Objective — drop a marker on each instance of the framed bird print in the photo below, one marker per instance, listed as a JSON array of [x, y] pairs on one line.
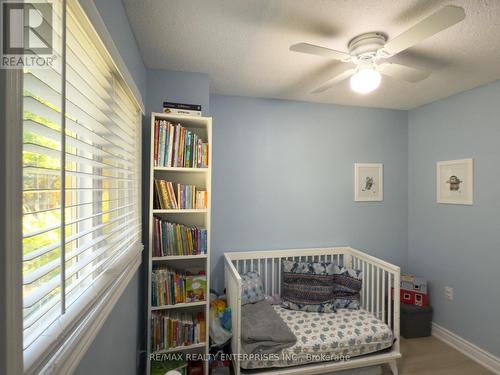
[[368, 182], [455, 181]]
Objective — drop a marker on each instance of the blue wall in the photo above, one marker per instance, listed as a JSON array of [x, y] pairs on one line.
[[454, 245], [180, 87], [115, 348], [283, 177]]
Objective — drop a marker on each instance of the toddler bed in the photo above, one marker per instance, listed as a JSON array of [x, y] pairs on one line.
[[326, 342]]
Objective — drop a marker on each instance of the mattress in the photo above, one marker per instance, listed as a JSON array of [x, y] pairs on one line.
[[325, 337]]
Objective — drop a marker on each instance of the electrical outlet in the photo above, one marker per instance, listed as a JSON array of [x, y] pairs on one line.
[[448, 293]]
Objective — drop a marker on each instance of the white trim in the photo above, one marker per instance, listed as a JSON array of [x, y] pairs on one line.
[[12, 278], [94, 17], [467, 348]]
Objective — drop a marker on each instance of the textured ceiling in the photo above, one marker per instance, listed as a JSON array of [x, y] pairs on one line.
[[243, 45]]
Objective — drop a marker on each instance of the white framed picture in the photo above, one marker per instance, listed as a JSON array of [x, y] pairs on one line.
[[368, 182], [455, 181]]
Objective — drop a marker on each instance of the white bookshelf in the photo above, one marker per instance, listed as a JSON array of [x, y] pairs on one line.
[[178, 306], [201, 177]]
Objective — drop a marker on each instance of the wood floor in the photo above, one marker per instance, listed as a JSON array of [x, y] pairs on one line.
[[430, 356]]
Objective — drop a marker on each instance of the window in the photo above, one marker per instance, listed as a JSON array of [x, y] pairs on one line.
[[81, 176]]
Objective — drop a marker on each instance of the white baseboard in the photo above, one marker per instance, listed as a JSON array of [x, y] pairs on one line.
[[372, 370], [467, 348]]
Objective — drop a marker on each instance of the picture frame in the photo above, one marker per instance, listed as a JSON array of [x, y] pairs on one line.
[[455, 181], [368, 182]]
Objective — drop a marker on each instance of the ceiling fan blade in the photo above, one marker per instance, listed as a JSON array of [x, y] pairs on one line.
[[312, 49], [441, 20], [337, 79], [406, 73]]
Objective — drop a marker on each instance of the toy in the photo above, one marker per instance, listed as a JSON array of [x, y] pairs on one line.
[[413, 291], [225, 319], [218, 305]]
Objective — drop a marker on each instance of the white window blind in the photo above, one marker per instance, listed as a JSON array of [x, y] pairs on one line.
[[81, 175]]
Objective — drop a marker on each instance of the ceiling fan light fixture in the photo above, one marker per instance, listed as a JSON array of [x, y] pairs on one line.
[[365, 80]]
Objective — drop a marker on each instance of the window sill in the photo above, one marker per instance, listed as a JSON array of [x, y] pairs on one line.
[[61, 349]]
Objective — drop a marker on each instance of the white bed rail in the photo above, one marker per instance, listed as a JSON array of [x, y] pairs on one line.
[[232, 282], [379, 279]]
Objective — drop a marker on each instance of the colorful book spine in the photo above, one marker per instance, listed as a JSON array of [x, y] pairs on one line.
[[156, 129], [201, 201], [174, 329], [177, 146], [164, 195], [172, 239], [185, 106]]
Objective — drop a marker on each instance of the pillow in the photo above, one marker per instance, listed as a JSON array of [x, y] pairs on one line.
[[307, 286], [251, 288], [347, 285]]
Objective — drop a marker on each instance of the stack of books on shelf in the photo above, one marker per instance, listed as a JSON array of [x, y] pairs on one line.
[[172, 239], [182, 109], [176, 146], [172, 329], [181, 197], [169, 287]]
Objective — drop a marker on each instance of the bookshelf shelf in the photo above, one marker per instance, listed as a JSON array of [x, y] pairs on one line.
[[181, 348], [186, 120], [181, 211], [179, 257], [195, 130], [178, 306], [182, 169]]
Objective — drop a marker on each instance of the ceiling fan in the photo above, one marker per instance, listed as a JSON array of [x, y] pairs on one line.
[[367, 51]]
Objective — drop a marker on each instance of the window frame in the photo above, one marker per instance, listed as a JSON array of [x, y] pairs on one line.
[[12, 217], [64, 347]]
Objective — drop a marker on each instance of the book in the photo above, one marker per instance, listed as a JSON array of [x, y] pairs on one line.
[[160, 143], [157, 126], [176, 111], [165, 199], [195, 288], [201, 201], [176, 146], [171, 194], [189, 107]]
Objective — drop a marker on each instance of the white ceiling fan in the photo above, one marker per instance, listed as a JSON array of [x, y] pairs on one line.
[[367, 51]]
